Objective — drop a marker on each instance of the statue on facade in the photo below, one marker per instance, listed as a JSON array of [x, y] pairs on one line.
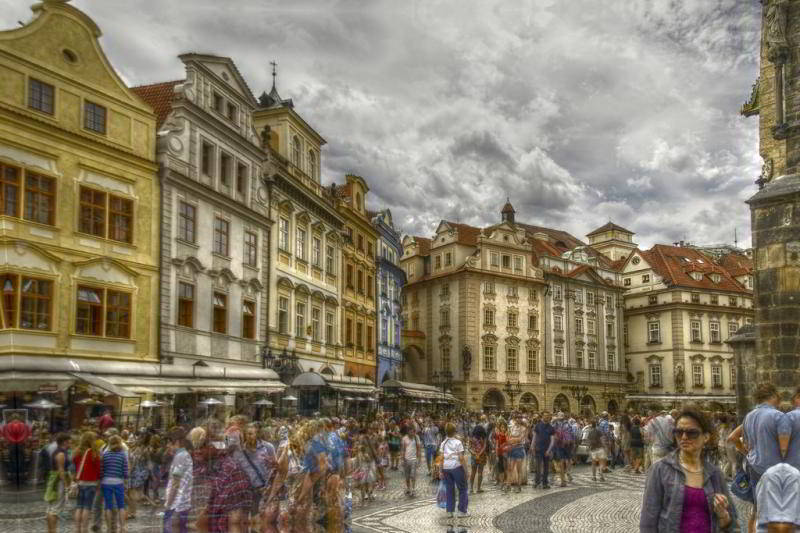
[[466, 359], [679, 378], [775, 28], [766, 173]]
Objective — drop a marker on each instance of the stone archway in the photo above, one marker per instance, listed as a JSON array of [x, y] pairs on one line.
[[613, 407], [493, 400], [588, 407], [529, 402], [414, 366], [561, 403]]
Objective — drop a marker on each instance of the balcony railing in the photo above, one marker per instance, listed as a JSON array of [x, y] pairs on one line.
[[560, 373]]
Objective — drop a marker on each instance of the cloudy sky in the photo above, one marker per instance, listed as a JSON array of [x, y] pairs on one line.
[[579, 111]]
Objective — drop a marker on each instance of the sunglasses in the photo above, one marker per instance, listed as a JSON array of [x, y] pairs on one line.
[[690, 433]]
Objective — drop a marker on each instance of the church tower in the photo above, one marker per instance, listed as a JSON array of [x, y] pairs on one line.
[[775, 208]]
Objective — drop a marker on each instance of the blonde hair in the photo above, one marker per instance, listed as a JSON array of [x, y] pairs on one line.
[[88, 441], [115, 443], [197, 437]]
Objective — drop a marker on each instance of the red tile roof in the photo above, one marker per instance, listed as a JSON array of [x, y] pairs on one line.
[[674, 264], [737, 264], [159, 96], [467, 235], [423, 244]]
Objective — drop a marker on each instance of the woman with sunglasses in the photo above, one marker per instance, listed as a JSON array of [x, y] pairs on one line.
[[685, 493]]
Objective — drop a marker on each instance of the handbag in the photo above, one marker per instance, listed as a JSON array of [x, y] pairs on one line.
[[741, 487], [72, 493], [441, 496]]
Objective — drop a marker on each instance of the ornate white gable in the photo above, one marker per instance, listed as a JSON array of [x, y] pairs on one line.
[[106, 270], [27, 256]]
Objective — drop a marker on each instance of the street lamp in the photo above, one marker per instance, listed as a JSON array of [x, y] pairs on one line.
[[443, 379], [512, 389], [578, 392]]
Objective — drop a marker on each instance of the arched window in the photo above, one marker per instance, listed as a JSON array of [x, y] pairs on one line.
[[296, 150], [312, 165]]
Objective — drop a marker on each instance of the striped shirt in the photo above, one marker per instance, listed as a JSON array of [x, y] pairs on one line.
[[115, 467]]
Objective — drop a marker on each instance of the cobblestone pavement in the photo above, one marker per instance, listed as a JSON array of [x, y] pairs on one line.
[[584, 506]]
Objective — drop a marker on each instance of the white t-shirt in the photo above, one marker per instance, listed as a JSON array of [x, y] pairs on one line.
[[451, 450], [411, 448]]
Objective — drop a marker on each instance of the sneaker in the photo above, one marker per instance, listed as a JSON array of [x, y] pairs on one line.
[[449, 515], [463, 515]]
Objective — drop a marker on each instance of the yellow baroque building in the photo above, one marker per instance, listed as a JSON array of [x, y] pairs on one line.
[[79, 208]]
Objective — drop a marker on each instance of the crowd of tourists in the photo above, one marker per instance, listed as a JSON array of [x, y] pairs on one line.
[[307, 474]]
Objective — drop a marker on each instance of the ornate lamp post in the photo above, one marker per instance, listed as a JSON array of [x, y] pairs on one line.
[[284, 364], [443, 379], [578, 392], [512, 389]]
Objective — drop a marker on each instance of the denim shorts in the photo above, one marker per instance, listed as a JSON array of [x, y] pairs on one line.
[[86, 494], [114, 492], [517, 453]]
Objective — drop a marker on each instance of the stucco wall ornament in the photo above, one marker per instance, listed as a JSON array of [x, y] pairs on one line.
[[766, 173]]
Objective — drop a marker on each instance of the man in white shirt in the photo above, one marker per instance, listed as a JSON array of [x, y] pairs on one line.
[[412, 455]]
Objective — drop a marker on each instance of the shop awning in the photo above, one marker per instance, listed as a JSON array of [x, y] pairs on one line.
[[104, 384], [418, 390], [352, 388], [186, 386], [46, 381]]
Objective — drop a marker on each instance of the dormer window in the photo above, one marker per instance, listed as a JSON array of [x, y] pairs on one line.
[[716, 277]]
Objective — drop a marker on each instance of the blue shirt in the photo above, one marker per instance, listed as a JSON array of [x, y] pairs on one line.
[[310, 461], [430, 436], [115, 467], [793, 420], [602, 425], [543, 432], [761, 428], [336, 450]]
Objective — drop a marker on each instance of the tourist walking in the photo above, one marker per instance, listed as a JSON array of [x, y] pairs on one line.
[[516, 452], [115, 473], [430, 438], [597, 452], [543, 442], [684, 491], [636, 442], [88, 463], [478, 451], [180, 481], [56, 492], [454, 471], [411, 450]]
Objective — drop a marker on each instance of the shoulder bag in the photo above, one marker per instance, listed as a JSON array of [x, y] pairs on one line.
[[72, 493]]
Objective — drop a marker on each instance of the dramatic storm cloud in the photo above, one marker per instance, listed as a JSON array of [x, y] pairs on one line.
[[579, 111]]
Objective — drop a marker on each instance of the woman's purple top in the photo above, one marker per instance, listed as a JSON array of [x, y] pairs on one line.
[[695, 517]]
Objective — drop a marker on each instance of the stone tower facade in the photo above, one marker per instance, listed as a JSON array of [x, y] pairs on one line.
[[775, 208]]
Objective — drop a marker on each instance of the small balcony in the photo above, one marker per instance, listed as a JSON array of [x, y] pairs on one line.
[[584, 375]]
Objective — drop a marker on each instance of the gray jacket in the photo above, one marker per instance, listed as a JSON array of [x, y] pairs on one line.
[[663, 497]]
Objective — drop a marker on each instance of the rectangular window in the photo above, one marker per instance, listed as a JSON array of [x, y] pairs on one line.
[[445, 290], [92, 212], [349, 276], [488, 357], [316, 249], [556, 292], [625, 334], [579, 358], [94, 117], [232, 112], [558, 323], [370, 250], [611, 361], [36, 297], [120, 219], [578, 296], [590, 327], [360, 243], [221, 236], [653, 332], [646, 278], [348, 331], [248, 319], [512, 319], [360, 335], [360, 281], [217, 102], [437, 262], [533, 361], [283, 315], [590, 298], [448, 259], [652, 299], [40, 198], [488, 287], [695, 298], [185, 305], [592, 360], [714, 299], [330, 262], [283, 234], [733, 376], [511, 360], [369, 339], [697, 335], [626, 282], [445, 352], [220, 313], [187, 222], [369, 286], [207, 159], [40, 96], [579, 326], [610, 330], [9, 190], [517, 263], [532, 324], [512, 291], [329, 328], [316, 314], [697, 375], [250, 248], [655, 375], [241, 178], [488, 317], [715, 331], [445, 317], [506, 261], [733, 301], [733, 327], [89, 312], [558, 356], [716, 376], [300, 245], [300, 320], [494, 259]]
